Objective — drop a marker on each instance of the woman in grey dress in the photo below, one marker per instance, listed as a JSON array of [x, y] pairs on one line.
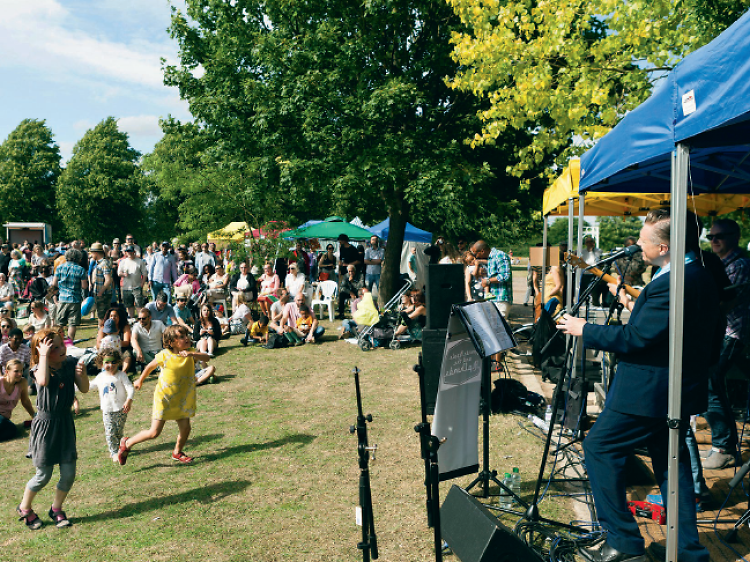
[[53, 434]]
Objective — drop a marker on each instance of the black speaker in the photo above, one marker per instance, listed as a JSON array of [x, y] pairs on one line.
[[445, 287], [433, 345], [475, 535]]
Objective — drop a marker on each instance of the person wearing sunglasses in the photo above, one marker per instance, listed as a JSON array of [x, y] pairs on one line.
[[147, 337], [725, 237]]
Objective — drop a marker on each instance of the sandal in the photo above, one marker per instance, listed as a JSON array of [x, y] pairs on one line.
[[122, 453], [32, 519], [59, 518], [182, 457]]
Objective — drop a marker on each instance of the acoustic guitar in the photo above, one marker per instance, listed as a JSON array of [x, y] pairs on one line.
[[576, 261]]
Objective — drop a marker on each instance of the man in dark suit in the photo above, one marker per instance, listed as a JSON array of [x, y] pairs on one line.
[[635, 413]]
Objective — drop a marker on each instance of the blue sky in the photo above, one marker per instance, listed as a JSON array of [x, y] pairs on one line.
[[76, 62]]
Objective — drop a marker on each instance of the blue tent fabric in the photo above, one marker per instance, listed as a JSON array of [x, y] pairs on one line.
[[412, 234], [636, 154]]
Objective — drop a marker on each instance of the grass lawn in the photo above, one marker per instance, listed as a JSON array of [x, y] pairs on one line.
[[275, 475]]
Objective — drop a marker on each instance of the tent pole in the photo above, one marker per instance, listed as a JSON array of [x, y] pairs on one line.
[[544, 256], [569, 270], [680, 163], [579, 245]]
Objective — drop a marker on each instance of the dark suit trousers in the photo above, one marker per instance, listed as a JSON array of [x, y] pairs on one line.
[[607, 447]]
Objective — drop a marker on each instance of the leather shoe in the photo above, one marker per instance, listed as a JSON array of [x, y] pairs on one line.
[[608, 554]]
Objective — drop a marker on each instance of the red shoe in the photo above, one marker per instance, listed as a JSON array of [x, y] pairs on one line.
[[182, 457], [122, 454]]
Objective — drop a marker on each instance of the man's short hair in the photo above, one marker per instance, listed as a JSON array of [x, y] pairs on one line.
[[72, 255], [162, 297], [15, 332], [661, 221], [728, 226]]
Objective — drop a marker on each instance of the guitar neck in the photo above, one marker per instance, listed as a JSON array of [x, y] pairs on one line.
[[609, 279]]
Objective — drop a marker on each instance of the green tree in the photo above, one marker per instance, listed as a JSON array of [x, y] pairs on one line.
[[29, 168], [558, 231], [341, 108], [100, 192], [570, 70], [614, 230]]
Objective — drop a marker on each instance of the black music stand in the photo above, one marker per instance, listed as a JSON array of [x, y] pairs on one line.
[[490, 334]]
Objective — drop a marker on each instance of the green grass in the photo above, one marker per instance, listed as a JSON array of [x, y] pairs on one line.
[[275, 476]]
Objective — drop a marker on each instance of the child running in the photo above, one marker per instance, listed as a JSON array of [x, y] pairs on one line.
[[174, 396], [53, 432], [115, 395]]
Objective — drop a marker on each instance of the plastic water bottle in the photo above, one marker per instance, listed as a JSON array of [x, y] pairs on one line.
[[548, 415], [515, 480], [539, 422], [506, 500]]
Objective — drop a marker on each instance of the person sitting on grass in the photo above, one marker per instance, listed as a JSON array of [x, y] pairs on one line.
[[258, 332], [13, 389], [183, 312], [161, 310], [39, 318], [174, 395], [28, 333], [276, 318], [16, 349], [292, 312], [303, 331], [207, 331], [240, 318], [413, 317]]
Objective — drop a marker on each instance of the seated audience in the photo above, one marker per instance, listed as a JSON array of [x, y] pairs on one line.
[[147, 337], [292, 313], [162, 311], [38, 318], [117, 334], [183, 312], [269, 286], [218, 284], [243, 283], [13, 389], [241, 316], [295, 281], [258, 332], [207, 331], [277, 312], [413, 318]]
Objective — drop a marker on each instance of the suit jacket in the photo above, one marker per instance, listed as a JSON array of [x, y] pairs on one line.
[[641, 385]]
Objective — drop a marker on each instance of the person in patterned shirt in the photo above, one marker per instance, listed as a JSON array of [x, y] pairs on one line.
[[70, 279], [724, 237], [499, 281], [101, 282]]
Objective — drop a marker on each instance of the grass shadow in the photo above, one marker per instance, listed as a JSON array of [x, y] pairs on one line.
[[204, 494], [168, 445]]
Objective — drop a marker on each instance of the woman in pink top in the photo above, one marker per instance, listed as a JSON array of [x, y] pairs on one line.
[[269, 285], [13, 387]]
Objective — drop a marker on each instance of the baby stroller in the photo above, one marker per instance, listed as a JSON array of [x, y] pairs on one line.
[[383, 329]]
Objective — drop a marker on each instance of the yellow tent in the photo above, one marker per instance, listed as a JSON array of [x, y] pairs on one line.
[[601, 204], [233, 232]]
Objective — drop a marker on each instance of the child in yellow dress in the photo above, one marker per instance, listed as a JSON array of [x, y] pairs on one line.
[[174, 396]]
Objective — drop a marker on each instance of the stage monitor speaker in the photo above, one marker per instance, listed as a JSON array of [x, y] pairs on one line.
[[433, 345], [445, 287], [475, 535]]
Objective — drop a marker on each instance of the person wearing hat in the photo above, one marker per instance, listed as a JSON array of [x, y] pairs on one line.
[[133, 272], [101, 281], [162, 272]]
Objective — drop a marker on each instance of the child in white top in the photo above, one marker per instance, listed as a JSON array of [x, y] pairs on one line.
[[39, 318], [116, 396]]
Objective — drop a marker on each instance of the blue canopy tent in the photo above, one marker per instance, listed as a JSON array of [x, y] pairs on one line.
[[412, 233], [690, 136]]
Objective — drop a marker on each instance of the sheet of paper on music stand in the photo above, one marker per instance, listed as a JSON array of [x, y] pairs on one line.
[[489, 330], [536, 254]]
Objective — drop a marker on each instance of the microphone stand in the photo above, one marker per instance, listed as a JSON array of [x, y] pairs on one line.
[[369, 544], [532, 514], [429, 445]]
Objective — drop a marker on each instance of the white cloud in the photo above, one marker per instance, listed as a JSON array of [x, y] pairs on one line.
[[83, 125], [42, 36], [140, 125]]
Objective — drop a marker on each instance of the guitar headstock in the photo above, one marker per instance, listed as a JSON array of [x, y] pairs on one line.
[[575, 260]]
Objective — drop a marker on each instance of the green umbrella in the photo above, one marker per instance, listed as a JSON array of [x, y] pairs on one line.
[[330, 229]]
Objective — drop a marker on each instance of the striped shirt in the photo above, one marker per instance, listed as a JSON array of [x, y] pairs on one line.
[[23, 354]]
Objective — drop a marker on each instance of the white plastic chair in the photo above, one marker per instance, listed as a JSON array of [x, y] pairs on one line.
[[327, 292]]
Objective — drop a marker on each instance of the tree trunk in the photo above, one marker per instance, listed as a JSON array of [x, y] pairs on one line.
[[391, 272]]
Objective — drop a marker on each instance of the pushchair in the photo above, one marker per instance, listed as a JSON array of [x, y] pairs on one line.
[[383, 329]]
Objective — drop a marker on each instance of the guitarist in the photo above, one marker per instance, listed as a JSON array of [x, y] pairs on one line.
[[592, 255]]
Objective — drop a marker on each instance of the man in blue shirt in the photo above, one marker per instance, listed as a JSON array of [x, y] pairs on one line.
[[71, 280], [162, 272]]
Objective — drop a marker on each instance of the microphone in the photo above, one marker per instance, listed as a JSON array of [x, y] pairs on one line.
[[626, 253]]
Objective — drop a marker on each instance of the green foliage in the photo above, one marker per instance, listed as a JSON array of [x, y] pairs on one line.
[[558, 231], [318, 108], [614, 230], [29, 168], [569, 70], [100, 192]]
